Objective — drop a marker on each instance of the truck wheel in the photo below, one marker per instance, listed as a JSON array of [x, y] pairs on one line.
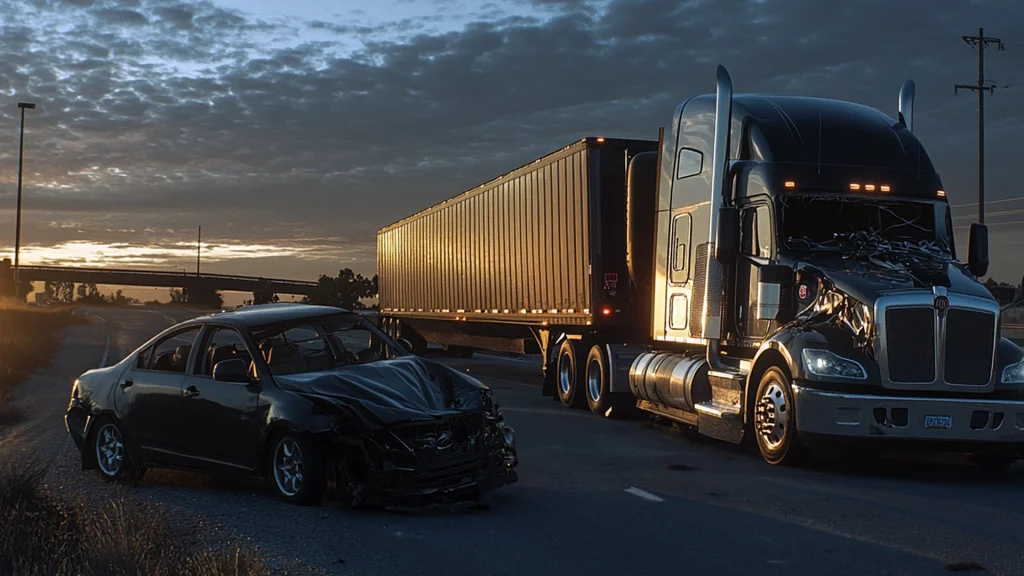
[[774, 420], [567, 378], [597, 381]]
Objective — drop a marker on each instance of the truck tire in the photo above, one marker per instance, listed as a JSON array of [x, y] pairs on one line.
[[774, 421], [568, 380], [596, 376]]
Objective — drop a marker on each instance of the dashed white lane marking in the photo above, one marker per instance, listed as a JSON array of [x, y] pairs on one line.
[[106, 351], [106, 342], [639, 493]]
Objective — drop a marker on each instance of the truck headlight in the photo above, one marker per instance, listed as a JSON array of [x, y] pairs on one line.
[[826, 364], [1014, 373]]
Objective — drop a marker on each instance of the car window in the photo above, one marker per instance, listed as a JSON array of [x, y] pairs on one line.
[[142, 363], [296, 350], [356, 344], [171, 354], [222, 344]]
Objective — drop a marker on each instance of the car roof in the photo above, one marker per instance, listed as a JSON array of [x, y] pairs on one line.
[[264, 314]]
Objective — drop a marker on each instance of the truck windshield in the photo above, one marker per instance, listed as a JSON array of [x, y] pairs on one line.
[[820, 222]]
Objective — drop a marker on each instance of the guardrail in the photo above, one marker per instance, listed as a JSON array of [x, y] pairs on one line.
[[1013, 326]]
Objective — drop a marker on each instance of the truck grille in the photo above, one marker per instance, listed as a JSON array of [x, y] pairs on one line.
[[969, 342], [911, 346], [910, 339]]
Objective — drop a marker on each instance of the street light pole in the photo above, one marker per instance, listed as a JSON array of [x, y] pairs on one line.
[[17, 225]]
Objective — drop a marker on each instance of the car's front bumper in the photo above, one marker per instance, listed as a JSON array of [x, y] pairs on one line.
[[969, 421], [77, 421]]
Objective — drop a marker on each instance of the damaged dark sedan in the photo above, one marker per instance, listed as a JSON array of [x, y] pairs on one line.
[[305, 396]]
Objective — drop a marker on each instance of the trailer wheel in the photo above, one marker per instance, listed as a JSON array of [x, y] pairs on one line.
[[567, 377], [775, 420]]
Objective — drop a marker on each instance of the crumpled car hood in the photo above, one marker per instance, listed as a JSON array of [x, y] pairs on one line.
[[392, 391]]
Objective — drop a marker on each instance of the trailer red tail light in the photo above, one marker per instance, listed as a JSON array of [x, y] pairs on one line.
[[606, 311], [854, 186]]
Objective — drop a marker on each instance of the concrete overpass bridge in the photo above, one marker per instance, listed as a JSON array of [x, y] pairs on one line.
[[155, 278]]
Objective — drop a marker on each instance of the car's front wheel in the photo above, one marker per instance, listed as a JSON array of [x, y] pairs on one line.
[[296, 469], [113, 463]]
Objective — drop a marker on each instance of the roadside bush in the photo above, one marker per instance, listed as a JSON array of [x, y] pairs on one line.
[[28, 339], [43, 532]]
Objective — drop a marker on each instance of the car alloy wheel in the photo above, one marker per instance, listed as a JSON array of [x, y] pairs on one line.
[[288, 467], [110, 450]]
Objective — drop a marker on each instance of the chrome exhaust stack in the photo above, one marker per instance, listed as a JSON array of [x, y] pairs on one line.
[[906, 111], [714, 279]]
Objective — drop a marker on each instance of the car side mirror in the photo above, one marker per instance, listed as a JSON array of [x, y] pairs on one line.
[[977, 250], [727, 242], [405, 344], [232, 370]]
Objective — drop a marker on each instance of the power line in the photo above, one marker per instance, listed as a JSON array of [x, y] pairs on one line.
[[972, 204], [993, 224], [980, 42], [999, 213]]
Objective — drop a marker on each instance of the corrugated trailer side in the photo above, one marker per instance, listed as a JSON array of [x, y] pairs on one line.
[[514, 250]]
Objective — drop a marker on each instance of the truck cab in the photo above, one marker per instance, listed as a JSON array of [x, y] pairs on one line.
[[806, 286]]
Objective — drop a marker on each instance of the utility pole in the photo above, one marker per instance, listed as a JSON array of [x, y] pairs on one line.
[[199, 250], [17, 226], [980, 42]]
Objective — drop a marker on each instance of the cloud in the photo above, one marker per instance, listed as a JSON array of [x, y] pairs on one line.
[[170, 114]]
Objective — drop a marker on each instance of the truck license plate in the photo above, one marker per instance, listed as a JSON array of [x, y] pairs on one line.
[[938, 422]]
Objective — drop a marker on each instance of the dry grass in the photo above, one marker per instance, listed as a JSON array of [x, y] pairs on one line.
[[28, 339], [45, 533]]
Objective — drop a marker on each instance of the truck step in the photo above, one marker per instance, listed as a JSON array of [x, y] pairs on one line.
[[688, 418], [720, 411], [727, 380]]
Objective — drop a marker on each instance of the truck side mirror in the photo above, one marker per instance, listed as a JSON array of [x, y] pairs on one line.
[[977, 250], [770, 282], [727, 243]]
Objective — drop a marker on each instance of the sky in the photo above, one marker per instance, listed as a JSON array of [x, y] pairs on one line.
[[292, 130]]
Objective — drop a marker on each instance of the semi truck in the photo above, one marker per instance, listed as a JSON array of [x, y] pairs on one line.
[[779, 271]]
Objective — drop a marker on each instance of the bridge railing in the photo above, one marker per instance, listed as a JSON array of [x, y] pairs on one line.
[[163, 273]]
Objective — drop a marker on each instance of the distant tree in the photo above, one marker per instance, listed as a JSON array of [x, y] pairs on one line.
[[90, 294], [119, 299], [59, 292], [7, 287], [264, 293], [344, 290], [202, 296]]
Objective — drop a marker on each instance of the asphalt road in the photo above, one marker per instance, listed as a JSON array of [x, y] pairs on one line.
[[596, 496]]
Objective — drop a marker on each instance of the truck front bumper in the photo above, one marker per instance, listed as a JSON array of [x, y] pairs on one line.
[[967, 421]]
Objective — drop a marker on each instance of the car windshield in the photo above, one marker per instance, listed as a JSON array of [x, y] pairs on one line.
[[318, 345], [819, 222]]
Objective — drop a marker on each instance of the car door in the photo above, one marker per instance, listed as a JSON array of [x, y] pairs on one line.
[[223, 418], [148, 395]]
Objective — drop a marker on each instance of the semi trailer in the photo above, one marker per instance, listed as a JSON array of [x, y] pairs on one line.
[[776, 270]]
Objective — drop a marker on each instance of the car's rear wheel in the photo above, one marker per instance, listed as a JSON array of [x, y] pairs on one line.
[[113, 463], [296, 469]]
